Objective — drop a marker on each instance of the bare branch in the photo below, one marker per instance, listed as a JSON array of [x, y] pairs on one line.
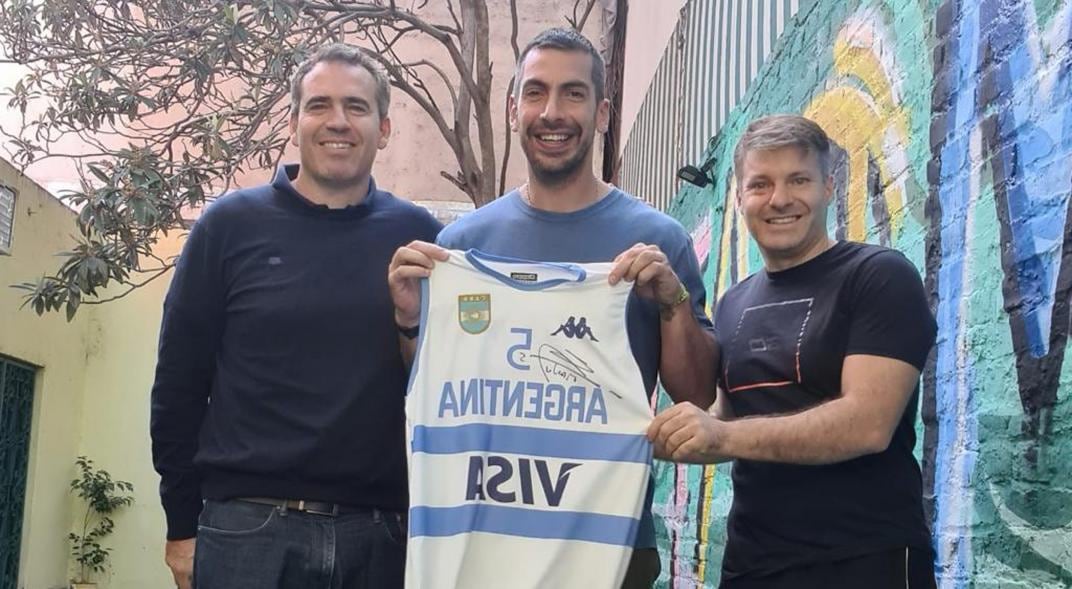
[[578, 24], [508, 135], [132, 286]]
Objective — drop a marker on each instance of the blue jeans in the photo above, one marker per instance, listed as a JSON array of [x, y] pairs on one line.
[[244, 545]]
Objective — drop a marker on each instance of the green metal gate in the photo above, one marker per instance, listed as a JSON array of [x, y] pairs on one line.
[[16, 412]]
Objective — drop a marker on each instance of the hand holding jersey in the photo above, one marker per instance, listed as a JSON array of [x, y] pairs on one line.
[[649, 268], [408, 266], [686, 433]]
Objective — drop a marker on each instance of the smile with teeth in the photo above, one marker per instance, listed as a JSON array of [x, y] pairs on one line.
[[553, 137], [783, 220], [337, 144]]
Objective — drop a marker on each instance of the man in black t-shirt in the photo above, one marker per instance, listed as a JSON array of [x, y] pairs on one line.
[[821, 352]]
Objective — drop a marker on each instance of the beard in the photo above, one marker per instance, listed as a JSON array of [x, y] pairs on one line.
[[557, 172]]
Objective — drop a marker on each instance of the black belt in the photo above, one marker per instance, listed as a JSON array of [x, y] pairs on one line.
[[313, 507]]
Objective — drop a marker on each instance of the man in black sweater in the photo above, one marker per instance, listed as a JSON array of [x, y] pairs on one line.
[[277, 409], [821, 352]]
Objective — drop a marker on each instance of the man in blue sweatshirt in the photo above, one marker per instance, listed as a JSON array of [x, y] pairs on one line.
[[277, 409], [564, 213]]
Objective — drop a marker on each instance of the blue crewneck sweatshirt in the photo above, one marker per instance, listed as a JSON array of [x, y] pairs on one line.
[[279, 372]]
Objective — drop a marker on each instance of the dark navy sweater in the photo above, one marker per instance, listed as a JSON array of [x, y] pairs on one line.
[[279, 372]]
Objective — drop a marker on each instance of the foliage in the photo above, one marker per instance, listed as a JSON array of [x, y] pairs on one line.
[[175, 98], [103, 497]]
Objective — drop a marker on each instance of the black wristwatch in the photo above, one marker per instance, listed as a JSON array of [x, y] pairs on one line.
[[409, 332]]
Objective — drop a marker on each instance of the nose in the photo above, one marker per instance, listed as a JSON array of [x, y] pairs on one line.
[[551, 111], [337, 121], [780, 197]]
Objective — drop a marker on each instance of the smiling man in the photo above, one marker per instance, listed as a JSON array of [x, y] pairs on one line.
[[277, 410], [820, 356], [564, 213]]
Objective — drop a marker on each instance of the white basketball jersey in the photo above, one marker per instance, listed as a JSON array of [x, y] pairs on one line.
[[526, 415]]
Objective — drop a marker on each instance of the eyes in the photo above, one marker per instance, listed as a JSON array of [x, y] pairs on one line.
[[762, 184], [578, 94], [321, 106]]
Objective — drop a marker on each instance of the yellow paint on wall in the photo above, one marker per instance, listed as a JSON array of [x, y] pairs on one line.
[[742, 245], [709, 471], [865, 123], [728, 213]]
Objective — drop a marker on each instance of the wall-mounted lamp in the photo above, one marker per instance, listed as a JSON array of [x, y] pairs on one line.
[[697, 176]]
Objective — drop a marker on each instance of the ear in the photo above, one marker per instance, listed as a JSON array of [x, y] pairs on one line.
[[511, 107], [603, 116], [385, 131], [294, 128], [829, 189]]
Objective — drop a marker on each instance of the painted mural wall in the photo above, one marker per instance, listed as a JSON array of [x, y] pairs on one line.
[[953, 120]]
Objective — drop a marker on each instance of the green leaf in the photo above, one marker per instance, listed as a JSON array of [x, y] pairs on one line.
[[73, 300], [99, 174]]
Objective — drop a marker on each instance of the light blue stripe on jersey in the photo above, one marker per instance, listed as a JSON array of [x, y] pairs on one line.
[[531, 441], [518, 521]]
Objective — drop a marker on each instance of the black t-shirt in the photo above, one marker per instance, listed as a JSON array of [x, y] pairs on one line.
[[784, 337]]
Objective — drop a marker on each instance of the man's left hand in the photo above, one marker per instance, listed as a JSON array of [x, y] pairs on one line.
[[686, 433], [650, 271]]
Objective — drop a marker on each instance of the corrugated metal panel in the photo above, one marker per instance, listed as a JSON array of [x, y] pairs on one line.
[[711, 58]]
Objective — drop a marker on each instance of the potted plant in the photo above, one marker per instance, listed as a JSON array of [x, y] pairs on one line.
[[103, 496]]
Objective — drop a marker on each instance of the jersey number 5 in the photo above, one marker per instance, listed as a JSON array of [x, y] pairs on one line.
[[517, 354]]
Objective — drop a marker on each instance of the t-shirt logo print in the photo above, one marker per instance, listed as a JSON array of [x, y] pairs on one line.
[[574, 328], [767, 346], [474, 312]]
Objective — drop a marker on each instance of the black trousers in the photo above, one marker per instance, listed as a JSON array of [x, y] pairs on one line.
[[902, 568]]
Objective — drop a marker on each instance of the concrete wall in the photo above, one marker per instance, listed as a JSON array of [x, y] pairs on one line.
[[42, 226], [91, 398], [955, 120], [648, 28], [119, 368]]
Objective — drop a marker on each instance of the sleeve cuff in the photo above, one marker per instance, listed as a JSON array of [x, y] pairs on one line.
[[182, 519]]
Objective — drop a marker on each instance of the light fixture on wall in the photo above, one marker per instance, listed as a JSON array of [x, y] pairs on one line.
[[697, 176]]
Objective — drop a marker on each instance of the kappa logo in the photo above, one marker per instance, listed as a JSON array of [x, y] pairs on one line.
[[474, 312], [576, 329]]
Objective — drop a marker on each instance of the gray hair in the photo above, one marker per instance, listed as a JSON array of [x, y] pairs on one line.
[[781, 131], [565, 39], [350, 55]]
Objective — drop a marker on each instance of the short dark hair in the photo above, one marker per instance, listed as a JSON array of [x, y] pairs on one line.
[[347, 54], [780, 131], [565, 39]]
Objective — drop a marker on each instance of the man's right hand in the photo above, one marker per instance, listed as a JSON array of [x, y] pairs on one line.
[[409, 264], [179, 556]]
